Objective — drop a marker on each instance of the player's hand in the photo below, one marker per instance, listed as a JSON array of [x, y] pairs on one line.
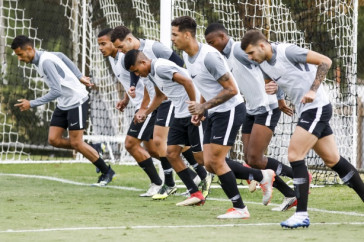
[[85, 80], [284, 108], [23, 104], [121, 105], [271, 87], [140, 116], [131, 92], [196, 119], [308, 97], [195, 108]]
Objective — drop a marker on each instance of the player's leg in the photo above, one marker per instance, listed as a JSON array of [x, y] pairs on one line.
[[164, 118], [301, 142], [326, 148], [58, 126], [177, 138], [137, 133]]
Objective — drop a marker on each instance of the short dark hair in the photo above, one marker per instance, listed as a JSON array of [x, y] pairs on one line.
[[130, 58], [252, 37], [21, 41], [185, 23], [104, 32], [120, 33], [214, 27]]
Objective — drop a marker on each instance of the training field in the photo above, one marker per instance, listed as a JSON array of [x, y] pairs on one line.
[[55, 202]]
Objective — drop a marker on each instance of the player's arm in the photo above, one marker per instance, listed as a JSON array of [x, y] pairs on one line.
[[156, 102], [122, 104], [53, 81], [187, 84], [83, 79], [323, 66]]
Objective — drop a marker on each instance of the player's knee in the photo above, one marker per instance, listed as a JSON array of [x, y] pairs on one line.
[[53, 141], [129, 145], [76, 144], [209, 168], [172, 154], [293, 156], [153, 153], [157, 141]]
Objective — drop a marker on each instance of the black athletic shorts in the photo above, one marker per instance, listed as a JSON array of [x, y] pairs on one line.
[[269, 119], [143, 131], [222, 128], [316, 121], [73, 119], [165, 113], [182, 132]]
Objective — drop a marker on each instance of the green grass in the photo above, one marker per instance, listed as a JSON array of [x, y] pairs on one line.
[[30, 204]]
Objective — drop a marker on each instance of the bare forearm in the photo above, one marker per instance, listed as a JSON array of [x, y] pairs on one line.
[[222, 97], [321, 73]]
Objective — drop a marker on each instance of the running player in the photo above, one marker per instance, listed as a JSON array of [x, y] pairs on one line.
[[124, 40], [173, 81], [262, 110], [226, 111], [137, 133], [67, 85], [299, 72]]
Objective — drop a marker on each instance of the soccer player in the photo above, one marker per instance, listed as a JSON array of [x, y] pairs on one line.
[[125, 41], [173, 81], [299, 72], [67, 85], [138, 133], [226, 111], [262, 110]]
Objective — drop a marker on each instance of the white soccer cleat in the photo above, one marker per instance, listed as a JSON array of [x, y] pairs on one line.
[[153, 189], [267, 185], [296, 220], [288, 202], [231, 213]]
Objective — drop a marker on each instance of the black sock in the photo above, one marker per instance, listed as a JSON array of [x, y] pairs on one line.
[[228, 184], [200, 170], [350, 176], [192, 173], [168, 172], [279, 168], [242, 172], [283, 187], [187, 180], [149, 168], [103, 167], [301, 184]]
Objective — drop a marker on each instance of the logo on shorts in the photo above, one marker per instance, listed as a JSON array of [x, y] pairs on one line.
[[133, 130], [73, 124], [304, 121], [193, 146], [217, 137], [160, 119]]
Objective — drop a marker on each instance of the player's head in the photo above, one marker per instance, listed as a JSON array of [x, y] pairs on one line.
[[217, 36], [123, 39], [23, 48], [256, 45], [135, 61], [183, 31], [104, 41]]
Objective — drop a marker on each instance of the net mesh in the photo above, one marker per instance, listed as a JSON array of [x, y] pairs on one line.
[[326, 26]]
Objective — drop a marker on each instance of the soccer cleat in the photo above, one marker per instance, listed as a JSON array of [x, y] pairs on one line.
[[252, 185], [267, 185], [241, 213], [206, 184], [195, 199], [164, 192], [296, 221], [153, 189], [197, 181], [105, 179], [287, 203]]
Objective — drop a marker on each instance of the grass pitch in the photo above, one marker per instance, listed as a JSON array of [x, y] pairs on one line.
[[55, 202]]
